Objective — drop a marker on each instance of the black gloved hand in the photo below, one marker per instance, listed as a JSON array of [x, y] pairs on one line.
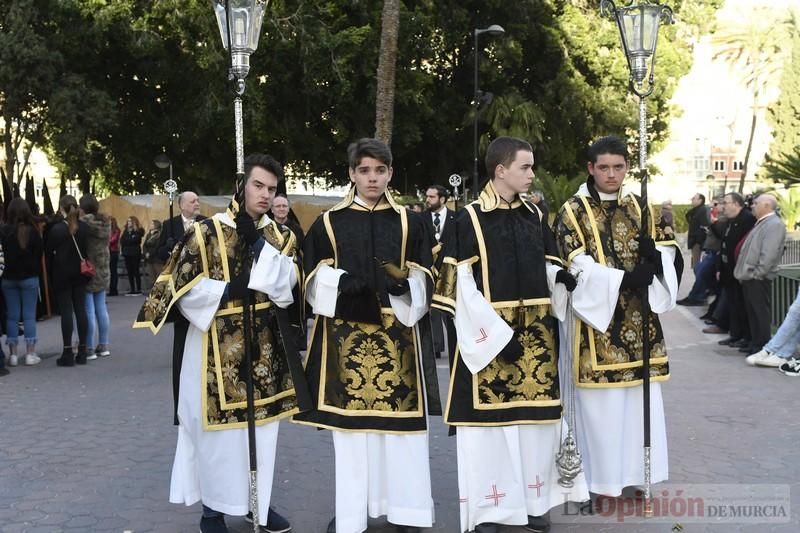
[[397, 287], [647, 248], [641, 276], [246, 228], [350, 284], [237, 287], [513, 351], [566, 279]]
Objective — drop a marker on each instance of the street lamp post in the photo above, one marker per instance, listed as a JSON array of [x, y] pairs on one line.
[[638, 26], [239, 24], [162, 161], [494, 29]]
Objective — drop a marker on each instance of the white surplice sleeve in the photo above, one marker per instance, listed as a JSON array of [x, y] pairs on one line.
[[200, 304], [274, 275], [322, 290], [595, 297], [558, 292], [481, 333], [413, 305], [663, 292]]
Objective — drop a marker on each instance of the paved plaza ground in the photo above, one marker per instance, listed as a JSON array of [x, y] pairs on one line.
[[90, 448]]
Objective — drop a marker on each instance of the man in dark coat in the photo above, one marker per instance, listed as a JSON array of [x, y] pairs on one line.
[[174, 228], [698, 220]]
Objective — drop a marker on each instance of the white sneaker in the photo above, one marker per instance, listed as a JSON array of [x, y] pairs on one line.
[[32, 359], [92, 356], [765, 358], [13, 360]]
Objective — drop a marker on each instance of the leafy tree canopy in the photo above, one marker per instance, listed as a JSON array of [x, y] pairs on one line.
[[123, 80]]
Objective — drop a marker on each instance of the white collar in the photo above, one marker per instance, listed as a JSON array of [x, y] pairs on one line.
[[765, 216], [225, 218], [440, 211]]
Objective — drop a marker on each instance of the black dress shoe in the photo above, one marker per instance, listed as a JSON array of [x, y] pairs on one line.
[[486, 528], [331, 526], [707, 316], [709, 322], [538, 524], [213, 525], [407, 529], [728, 342], [748, 350], [742, 343]]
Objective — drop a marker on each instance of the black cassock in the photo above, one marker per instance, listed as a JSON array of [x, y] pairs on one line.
[[506, 246], [366, 370]]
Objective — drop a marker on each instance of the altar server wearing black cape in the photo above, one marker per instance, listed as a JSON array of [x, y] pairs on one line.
[[370, 358], [505, 285], [205, 280]]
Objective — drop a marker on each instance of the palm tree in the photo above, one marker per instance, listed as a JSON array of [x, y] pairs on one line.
[[786, 169], [387, 61], [757, 50]]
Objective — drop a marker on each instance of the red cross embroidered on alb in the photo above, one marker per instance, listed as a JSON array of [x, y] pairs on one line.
[[538, 486], [495, 495], [483, 337]]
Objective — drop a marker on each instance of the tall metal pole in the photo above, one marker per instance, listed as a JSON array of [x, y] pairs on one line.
[[476, 105], [639, 47], [644, 231]]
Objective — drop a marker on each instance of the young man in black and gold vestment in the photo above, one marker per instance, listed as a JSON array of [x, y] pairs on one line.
[[598, 234], [205, 281], [503, 282], [369, 284]]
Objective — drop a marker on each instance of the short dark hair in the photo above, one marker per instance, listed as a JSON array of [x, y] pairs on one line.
[[88, 204], [610, 144], [503, 151], [440, 190], [267, 162], [737, 198], [367, 147], [702, 197]]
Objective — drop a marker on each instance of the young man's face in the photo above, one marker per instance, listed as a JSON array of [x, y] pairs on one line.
[[518, 176], [371, 178], [696, 200], [280, 208], [259, 191], [609, 172], [433, 200]]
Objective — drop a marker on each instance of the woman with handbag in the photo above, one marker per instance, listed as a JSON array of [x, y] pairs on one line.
[[131, 245], [99, 230], [70, 271], [22, 246]]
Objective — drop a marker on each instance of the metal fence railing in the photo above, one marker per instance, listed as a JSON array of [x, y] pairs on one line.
[[784, 292], [791, 253]]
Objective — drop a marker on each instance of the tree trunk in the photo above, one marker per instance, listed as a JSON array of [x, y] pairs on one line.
[[387, 65], [10, 150], [749, 143]]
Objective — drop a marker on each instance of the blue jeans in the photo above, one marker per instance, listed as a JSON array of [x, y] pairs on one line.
[[96, 308], [785, 341], [705, 280], [21, 296]]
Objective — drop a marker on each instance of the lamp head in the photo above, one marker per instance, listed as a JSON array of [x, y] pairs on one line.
[[239, 23], [162, 160], [638, 27], [493, 30]]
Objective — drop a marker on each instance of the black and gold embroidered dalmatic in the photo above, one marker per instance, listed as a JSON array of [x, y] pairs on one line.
[[506, 246], [212, 250], [607, 231], [363, 376]]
